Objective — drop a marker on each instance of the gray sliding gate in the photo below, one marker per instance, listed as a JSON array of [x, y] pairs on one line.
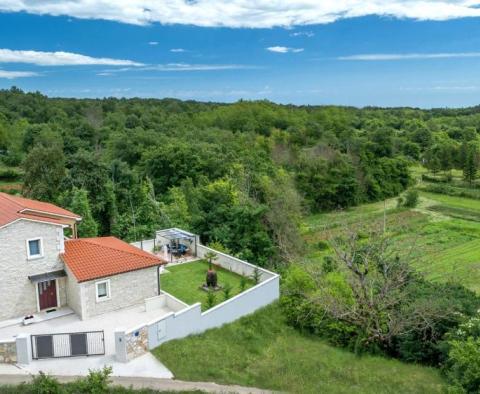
[[73, 344]]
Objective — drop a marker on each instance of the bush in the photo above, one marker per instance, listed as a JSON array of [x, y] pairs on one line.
[[329, 264], [411, 199], [12, 159], [322, 245], [453, 302], [463, 365], [210, 299], [301, 313], [96, 382], [45, 384], [256, 276], [227, 289]]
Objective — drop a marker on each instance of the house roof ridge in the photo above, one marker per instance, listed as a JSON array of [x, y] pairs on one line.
[[99, 257], [140, 252]]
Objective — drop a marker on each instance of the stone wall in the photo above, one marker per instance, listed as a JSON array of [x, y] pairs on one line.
[[16, 267], [136, 342], [8, 352], [74, 296], [126, 290]]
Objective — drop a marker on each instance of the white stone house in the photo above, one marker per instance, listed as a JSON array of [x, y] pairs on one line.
[[42, 270]]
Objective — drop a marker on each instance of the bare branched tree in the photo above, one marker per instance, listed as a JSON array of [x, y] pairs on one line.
[[381, 304]]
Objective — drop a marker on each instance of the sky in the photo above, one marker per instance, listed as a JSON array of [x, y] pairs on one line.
[[419, 53]]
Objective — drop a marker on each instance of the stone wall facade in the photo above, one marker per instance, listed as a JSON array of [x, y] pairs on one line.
[[74, 296], [8, 352], [126, 290], [18, 293], [137, 343]]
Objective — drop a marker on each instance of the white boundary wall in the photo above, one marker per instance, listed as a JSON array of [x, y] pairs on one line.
[[190, 320], [147, 245]]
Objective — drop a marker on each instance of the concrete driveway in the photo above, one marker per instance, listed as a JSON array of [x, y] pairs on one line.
[[144, 366]]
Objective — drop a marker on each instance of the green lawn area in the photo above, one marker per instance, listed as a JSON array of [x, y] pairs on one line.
[[184, 280], [260, 350]]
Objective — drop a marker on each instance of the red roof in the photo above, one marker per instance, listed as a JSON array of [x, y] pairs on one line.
[[94, 258], [13, 208]]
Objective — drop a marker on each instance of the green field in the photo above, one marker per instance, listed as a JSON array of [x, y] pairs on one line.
[[441, 235], [260, 350], [184, 280]]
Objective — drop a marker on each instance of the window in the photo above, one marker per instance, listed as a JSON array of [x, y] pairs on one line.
[[34, 248], [103, 290]]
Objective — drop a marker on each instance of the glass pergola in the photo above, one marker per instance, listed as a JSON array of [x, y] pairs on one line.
[[178, 242]]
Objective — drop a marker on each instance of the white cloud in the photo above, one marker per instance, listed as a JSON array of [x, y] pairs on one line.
[[280, 49], [59, 59], [408, 56], [184, 67], [308, 34], [153, 43], [244, 13], [177, 50], [17, 74]]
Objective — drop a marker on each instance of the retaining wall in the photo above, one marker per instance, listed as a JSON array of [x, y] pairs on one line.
[[187, 320]]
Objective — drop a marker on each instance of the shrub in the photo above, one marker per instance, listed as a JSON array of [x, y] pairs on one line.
[[45, 384], [211, 298], [12, 159], [463, 364], [243, 283], [256, 276], [227, 289], [329, 264], [322, 245], [452, 302], [411, 199], [96, 382]]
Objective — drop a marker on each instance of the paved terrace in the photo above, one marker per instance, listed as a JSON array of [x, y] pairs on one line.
[[145, 366]]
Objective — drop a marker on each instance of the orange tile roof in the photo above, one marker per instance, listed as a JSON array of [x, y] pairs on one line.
[[94, 258], [13, 208]]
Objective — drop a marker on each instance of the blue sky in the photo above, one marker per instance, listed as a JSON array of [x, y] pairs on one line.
[[385, 60]]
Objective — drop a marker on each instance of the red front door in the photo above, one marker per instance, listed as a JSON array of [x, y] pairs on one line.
[[47, 294]]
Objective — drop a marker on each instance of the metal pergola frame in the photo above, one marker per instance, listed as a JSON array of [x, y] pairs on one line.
[[174, 235]]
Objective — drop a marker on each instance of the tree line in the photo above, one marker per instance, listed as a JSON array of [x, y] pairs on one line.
[[242, 174]]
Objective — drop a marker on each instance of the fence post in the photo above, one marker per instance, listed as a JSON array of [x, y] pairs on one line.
[[23, 349], [120, 346]]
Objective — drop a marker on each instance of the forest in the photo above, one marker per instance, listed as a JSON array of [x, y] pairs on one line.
[[292, 188], [241, 174]]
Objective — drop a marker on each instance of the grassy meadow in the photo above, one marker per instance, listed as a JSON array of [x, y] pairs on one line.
[[441, 235], [260, 350]]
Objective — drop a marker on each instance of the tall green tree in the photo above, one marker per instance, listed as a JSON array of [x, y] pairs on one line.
[[470, 164], [88, 227], [44, 173]]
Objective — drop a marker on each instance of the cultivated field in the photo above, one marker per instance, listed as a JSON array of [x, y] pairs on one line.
[[441, 235]]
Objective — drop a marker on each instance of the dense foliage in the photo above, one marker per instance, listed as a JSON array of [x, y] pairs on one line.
[[368, 299], [239, 173]]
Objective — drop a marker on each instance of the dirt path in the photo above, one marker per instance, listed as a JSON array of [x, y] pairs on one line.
[[152, 383]]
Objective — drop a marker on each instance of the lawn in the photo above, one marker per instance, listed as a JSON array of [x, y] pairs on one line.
[[184, 280], [260, 350]]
